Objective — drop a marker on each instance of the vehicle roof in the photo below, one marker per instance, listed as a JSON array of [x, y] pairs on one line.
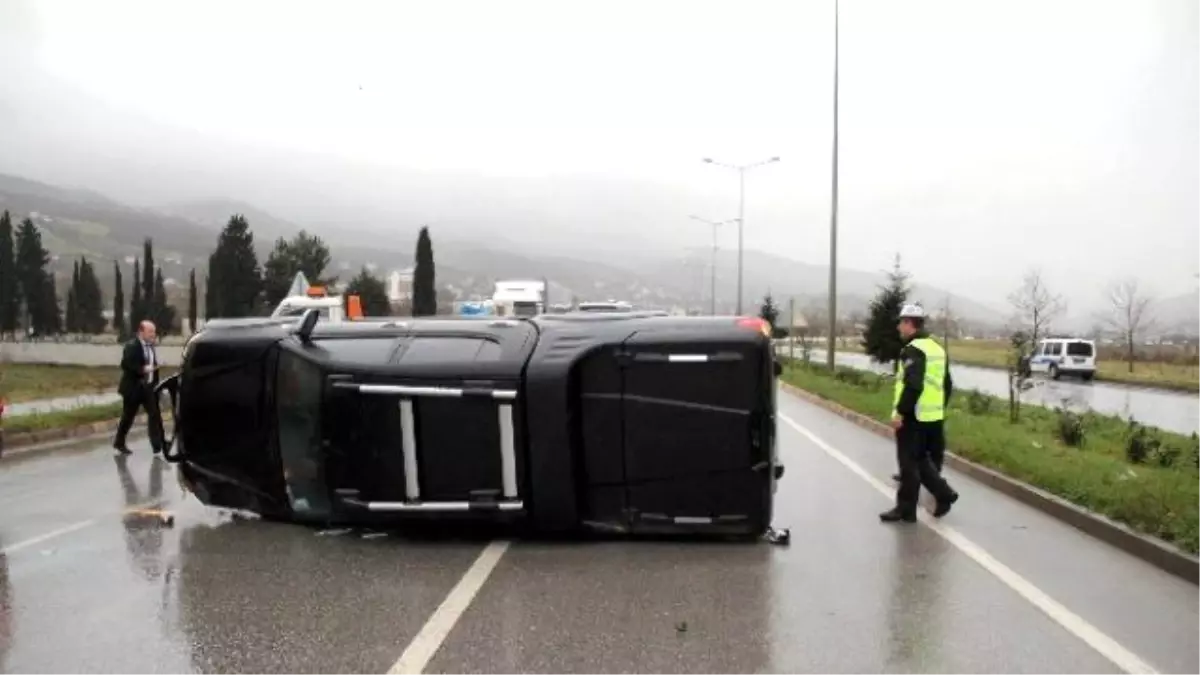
[[599, 322]]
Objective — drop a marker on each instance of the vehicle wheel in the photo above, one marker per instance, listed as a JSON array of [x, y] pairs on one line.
[[1053, 372], [1087, 377]]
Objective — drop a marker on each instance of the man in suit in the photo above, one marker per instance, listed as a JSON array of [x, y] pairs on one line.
[[139, 376]]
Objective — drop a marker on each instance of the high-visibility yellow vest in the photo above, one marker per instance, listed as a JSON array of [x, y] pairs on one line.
[[931, 406]]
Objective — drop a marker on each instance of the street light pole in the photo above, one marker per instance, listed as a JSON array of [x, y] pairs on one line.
[[713, 270], [741, 169], [833, 211]]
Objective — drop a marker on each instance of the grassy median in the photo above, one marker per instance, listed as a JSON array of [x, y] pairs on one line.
[[1145, 478], [21, 382], [60, 419], [1170, 368], [32, 381]]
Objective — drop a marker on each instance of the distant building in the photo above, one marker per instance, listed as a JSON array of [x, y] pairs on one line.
[[399, 286]]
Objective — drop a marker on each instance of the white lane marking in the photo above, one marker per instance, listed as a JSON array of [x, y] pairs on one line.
[[47, 536], [1072, 622], [422, 648], [73, 527]]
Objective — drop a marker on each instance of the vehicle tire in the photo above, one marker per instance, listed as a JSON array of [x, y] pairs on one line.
[[1053, 372], [1087, 377]]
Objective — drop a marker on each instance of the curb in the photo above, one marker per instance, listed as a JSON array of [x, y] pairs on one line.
[[1154, 551]]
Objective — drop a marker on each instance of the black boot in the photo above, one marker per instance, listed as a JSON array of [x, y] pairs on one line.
[[943, 505], [896, 515]]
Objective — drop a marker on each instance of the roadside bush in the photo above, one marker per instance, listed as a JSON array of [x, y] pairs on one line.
[[1140, 444], [978, 403], [1070, 429], [1167, 456], [850, 376]]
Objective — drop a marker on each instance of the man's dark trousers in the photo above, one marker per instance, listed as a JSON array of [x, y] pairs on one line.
[[916, 443]]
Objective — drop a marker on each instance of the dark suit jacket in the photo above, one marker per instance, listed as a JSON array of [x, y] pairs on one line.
[[133, 377]]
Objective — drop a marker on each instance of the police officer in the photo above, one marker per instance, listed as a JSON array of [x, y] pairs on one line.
[[918, 414]]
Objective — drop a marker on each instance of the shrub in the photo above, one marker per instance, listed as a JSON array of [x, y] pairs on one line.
[[1167, 456], [1140, 444], [850, 376], [978, 403], [1070, 428]]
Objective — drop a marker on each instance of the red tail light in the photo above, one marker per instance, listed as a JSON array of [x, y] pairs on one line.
[[755, 323]]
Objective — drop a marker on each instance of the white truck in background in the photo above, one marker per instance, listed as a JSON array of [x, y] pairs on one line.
[[519, 298]]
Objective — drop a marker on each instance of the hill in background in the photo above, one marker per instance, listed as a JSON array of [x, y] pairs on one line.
[[79, 221]]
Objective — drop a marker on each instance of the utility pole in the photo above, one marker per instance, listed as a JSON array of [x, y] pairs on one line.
[[946, 325], [713, 270], [791, 328], [741, 219], [833, 211]]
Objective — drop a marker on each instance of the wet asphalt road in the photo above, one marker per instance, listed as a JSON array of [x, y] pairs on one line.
[[85, 585]]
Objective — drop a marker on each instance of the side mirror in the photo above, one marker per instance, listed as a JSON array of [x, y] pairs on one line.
[[307, 324]]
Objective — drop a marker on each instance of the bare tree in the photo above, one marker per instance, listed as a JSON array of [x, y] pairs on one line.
[[1037, 308], [1129, 315]]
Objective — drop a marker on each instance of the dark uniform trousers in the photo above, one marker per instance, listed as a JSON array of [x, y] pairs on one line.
[[920, 451]]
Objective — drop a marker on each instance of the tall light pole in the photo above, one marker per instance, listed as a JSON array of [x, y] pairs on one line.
[[741, 169], [830, 354], [715, 225]]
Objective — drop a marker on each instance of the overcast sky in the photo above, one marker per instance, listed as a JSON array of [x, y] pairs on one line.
[[977, 137]]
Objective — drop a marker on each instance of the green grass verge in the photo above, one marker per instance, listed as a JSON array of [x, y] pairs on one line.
[[994, 354], [1149, 497], [60, 419], [32, 381]]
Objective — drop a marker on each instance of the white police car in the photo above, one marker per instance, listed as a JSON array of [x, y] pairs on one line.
[[1064, 356]]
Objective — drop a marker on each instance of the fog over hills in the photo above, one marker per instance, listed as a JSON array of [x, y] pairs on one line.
[[80, 221], [590, 182]]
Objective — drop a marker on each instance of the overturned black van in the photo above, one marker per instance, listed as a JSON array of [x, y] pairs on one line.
[[626, 422]]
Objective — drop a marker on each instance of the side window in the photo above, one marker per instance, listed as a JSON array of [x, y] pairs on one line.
[[298, 402], [1056, 349]]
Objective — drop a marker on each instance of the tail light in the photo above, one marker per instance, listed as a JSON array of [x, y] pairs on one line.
[[755, 323]]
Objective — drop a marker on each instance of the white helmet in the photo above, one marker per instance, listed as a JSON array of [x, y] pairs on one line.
[[912, 311]]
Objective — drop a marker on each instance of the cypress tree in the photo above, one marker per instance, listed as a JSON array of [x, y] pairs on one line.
[[73, 301], [424, 301], [51, 314], [164, 317], [192, 300], [89, 302], [149, 308], [9, 298], [136, 311], [32, 267], [118, 324], [235, 278]]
